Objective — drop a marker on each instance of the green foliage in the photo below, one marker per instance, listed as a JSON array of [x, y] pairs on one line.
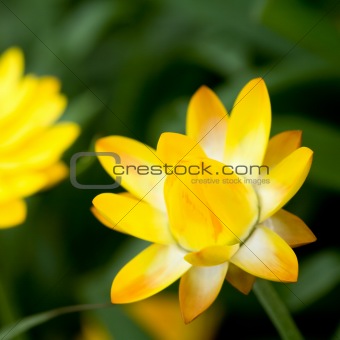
[[130, 68]]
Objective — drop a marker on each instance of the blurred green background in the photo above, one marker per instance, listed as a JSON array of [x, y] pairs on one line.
[[130, 68]]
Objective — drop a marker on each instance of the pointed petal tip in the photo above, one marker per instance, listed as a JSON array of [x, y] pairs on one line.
[[202, 91], [203, 88], [268, 256], [188, 319]]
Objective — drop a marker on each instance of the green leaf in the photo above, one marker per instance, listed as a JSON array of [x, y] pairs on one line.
[[84, 26], [117, 321], [319, 274], [29, 322], [304, 26]]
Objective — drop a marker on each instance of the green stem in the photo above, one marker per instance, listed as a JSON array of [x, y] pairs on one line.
[[29, 322], [276, 310]]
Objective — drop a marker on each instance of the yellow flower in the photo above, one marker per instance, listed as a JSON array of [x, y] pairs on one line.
[[219, 216], [31, 144]]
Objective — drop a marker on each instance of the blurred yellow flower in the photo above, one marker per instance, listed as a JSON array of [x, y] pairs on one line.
[[159, 316], [31, 143], [219, 215]]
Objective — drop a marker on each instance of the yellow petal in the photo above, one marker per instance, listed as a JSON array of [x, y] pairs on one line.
[[204, 210], [101, 218], [267, 255], [12, 213], [134, 217], [40, 109], [21, 185], [232, 200], [140, 169], [17, 99], [173, 147], [192, 222], [148, 273], [290, 228], [54, 174], [280, 146], [44, 150], [249, 126], [240, 279], [285, 179], [207, 122], [11, 69], [160, 316], [211, 256], [199, 288]]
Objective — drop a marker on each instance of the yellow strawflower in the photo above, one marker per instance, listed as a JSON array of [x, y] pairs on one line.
[[219, 215]]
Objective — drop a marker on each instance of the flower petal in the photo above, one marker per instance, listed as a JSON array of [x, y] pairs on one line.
[[54, 174], [148, 273], [240, 279], [44, 150], [140, 169], [282, 145], [42, 106], [18, 97], [204, 210], [232, 201], [19, 185], [11, 69], [285, 179], [12, 213], [199, 288], [249, 126], [211, 256], [134, 217], [159, 316], [290, 228], [207, 122], [173, 147], [267, 255]]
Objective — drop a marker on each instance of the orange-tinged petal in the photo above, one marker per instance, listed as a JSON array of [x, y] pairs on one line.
[[240, 279], [192, 222], [204, 210], [285, 179], [44, 150], [249, 126], [151, 271], [282, 145], [134, 217], [232, 200], [211, 256], [159, 315], [12, 213], [140, 169], [173, 147], [207, 122], [291, 228], [267, 255], [199, 288]]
